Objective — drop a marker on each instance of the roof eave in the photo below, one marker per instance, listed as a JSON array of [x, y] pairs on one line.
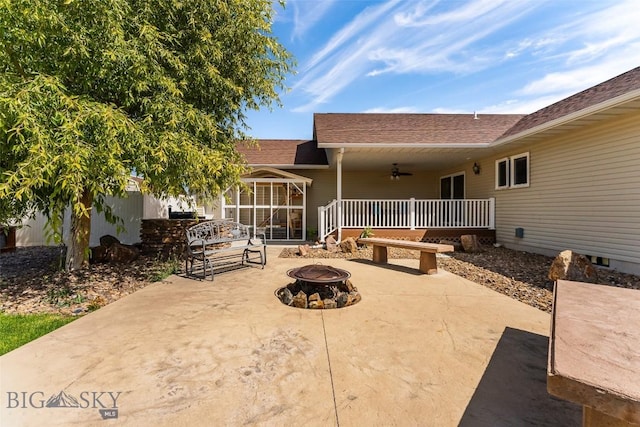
[[610, 103], [404, 145], [288, 166]]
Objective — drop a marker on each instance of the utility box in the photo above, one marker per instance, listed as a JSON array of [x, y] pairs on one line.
[[520, 232]]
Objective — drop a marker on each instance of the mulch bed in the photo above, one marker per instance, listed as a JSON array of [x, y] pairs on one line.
[[31, 281]]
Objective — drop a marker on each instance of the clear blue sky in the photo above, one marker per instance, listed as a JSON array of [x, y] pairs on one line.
[[411, 56]]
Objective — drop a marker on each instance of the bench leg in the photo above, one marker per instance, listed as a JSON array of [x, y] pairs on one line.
[[593, 418], [379, 254], [428, 263]]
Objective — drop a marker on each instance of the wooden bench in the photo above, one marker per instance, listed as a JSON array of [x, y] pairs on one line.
[[428, 251], [594, 352], [222, 243]]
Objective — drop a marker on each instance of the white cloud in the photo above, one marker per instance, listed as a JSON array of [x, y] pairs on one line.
[[523, 106], [464, 14], [374, 43], [430, 37], [447, 110], [306, 14]]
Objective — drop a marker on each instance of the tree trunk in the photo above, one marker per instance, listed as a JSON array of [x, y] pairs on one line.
[[78, 247]]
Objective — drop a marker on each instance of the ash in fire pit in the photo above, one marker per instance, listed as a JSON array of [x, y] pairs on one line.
[[319, 286]]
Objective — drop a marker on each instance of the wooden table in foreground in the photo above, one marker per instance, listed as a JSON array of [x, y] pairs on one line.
[[428, 251], [594, 352]]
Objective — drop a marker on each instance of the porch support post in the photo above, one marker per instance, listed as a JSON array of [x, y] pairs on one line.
[[322, 222], [412, 213], [339, 193], [492, 213]]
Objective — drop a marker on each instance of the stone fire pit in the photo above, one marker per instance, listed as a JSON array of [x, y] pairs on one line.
[[319, 286]]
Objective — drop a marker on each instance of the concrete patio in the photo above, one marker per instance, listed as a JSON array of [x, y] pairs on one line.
[[417, 350]]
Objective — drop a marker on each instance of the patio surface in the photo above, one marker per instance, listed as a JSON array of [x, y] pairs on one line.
[[417, 350]]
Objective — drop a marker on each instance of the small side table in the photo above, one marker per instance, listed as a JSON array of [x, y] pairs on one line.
[[594, 352]]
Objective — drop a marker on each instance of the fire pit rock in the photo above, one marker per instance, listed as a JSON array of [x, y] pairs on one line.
[[319, 287]]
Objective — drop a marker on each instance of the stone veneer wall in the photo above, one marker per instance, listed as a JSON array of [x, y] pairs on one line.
[[164, 238]]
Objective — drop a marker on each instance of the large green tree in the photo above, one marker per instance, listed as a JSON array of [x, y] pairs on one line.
[[93, 90]]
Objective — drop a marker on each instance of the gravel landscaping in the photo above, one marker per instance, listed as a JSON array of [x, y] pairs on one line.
[[31, 280], [519, 275]]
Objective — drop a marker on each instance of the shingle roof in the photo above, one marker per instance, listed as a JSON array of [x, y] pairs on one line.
[[602, 92], [342, 129], [401, 129], [284, 152]]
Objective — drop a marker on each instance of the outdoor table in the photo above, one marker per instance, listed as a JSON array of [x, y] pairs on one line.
[[594, 351]]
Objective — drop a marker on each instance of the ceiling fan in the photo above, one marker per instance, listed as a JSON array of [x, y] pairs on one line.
[[396, 174]]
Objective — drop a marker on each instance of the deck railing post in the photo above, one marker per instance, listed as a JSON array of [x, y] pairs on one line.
[[321, 223], [492, 213], [412, 213]]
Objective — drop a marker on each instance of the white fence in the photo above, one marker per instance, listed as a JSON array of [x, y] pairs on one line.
[[32, 233], [406, 213]]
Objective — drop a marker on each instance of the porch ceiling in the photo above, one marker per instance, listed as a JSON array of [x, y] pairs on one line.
[[408, 159]]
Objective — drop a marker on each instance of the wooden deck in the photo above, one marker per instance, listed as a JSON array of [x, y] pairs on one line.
[[431, 235]]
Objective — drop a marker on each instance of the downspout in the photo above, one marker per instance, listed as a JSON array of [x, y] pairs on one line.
[[339, 193]]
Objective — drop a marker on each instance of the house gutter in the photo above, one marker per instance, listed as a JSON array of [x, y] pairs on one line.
[[597, 108], [403, 145], [283, 166]]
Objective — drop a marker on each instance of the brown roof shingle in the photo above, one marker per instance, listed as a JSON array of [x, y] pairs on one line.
[[602, 92], [283, 152], [366, 128]]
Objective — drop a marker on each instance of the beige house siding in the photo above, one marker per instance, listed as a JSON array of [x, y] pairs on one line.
[[584, 194], [364, 185]]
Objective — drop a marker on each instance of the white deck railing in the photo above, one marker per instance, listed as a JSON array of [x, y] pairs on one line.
[[407, 213]]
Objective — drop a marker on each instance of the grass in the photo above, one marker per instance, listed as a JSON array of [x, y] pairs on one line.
[[19, 329]]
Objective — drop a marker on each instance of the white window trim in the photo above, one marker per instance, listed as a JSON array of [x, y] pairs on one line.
[[508, 175], [510, 161], [513, 173]]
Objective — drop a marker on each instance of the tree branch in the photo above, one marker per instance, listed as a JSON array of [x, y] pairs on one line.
[[15, 62]]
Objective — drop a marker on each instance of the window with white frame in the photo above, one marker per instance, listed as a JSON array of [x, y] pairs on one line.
[[512, 172]]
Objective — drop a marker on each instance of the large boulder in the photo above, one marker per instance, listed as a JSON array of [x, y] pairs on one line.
[[111, 250], [108, 240], [331, 244], [349, 245], [123, 253], [470, 243], [303, 250], [569, 265]]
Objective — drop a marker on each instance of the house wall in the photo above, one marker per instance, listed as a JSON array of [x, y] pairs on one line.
[[584, 194], [363, 185]]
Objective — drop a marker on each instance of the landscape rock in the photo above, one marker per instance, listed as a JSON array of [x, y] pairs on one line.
[[569, 265], [329, 303], [99, 254], [319, 304], [286, 296], [331, 244], [300, 300], [107, 241], [122, 253], [303, 250], [470, 243], [349, 245]]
